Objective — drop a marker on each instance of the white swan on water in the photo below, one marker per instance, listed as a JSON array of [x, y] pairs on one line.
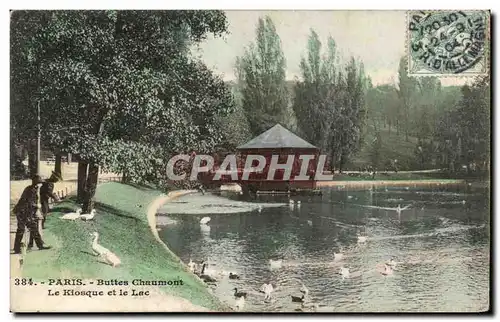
[[205, 220], [344, 272], [276, 263]]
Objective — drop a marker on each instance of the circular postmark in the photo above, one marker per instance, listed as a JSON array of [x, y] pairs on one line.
[[447, 42]]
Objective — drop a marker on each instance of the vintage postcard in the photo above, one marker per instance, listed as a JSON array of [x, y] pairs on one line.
[[250, 161]]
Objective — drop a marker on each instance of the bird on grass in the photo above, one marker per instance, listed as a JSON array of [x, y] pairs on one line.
[[72, 215], [88, 216]]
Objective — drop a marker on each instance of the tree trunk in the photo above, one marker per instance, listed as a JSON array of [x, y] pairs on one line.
[[58, 166], [32, 158], [82, 180], [90, 188], [125, 177]]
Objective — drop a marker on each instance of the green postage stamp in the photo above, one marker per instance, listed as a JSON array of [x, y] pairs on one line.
[[448, 42]]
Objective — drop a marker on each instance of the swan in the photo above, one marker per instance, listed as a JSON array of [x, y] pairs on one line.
[[387, 271], [111, 259], [304, 290], [309, 222], [267, 289], [239, 294], [298, 204], [205, 220], [275, 263], [240, 303], [100, 250], [344, 272], [362, 239], [338, 256], [259, 209], [88, 216], [291, 202], [72, 215], [391, 262]]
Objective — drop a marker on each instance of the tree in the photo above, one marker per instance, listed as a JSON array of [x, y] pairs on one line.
[[120, 89], [261, 74], [234, 127], [406, 93]]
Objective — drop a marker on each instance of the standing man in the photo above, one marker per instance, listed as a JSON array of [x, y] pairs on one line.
[[46, 192], [26, 215]]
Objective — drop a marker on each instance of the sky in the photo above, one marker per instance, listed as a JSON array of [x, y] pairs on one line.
[[375, 37]]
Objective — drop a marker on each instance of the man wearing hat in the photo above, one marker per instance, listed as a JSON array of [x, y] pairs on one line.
[[26, 214]]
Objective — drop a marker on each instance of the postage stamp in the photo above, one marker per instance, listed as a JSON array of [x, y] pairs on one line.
[[448, 42]]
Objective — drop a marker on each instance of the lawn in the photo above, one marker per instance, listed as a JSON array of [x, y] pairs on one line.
[[122, 224]]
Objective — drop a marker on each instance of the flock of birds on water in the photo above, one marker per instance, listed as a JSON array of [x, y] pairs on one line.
[[210, 276]]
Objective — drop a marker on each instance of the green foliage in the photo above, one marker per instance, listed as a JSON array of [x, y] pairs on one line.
[[117, 87], [261, 74], [329, 101]]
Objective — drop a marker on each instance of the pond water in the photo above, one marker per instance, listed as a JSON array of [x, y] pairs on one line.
[[440, 243]]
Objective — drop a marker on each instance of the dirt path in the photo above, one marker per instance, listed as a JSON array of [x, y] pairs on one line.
[[36, 298]]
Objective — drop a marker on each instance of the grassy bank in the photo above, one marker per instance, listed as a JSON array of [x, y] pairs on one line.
[[122, 223]]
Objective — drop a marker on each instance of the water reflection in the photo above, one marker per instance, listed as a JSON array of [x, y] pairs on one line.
[[441, 245]]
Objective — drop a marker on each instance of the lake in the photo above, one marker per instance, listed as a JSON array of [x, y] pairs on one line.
[[440, 243]]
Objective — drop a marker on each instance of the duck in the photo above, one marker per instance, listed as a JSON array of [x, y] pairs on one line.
[[298, 298], [205, 220], [276, 263], [233, 276], [99, 249], [88, 216], [267, 289], [304, 290], [344, 272], [205, 277], [240, 303], [362, 239], [72, 215], [239, 294], [387, 271]]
